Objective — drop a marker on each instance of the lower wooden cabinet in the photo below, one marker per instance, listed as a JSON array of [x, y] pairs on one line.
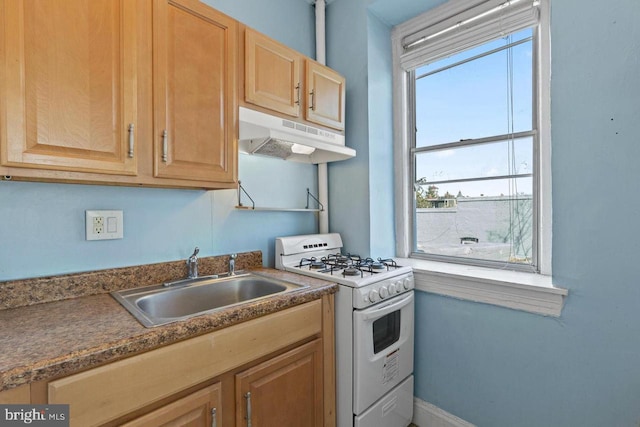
[[283, 391], [275, 370], [202, 408], [21, 394]]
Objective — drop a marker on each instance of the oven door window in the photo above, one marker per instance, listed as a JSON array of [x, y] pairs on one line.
[[386, 331]]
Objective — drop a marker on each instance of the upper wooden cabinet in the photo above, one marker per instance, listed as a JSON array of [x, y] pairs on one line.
[[68, 85], [272, 74], [280, 79], [126, 92], [326, 91], [194, 68]]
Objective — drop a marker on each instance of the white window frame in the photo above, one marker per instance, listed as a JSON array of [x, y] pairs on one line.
[[532, 292]]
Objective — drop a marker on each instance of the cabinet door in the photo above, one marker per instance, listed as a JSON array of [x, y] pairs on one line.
[[284, 391], [68, 85], [202, 408], [194, 68], [272, 74], [325, 95], [18, 395]]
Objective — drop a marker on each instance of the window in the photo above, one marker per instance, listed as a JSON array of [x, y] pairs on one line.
[[472, 110], [473, 154], [386, 331]]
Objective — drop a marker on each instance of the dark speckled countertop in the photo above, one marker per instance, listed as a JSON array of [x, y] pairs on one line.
[[45, 340]]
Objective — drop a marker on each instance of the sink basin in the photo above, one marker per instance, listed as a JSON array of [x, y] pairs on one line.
[[160, 304]]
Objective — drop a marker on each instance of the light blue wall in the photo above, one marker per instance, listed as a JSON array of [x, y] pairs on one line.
[[42, 225], [291, 22], [349, 180], [398, 11], [497, 367], [361, 189], [380, 83]]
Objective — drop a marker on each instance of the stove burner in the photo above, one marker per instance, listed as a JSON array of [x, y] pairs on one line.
[[317, 265], [338, 261], [352, 271], [312, 262], [370, 265]]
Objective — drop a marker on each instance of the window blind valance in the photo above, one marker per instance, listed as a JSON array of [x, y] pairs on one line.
[[457, 26]]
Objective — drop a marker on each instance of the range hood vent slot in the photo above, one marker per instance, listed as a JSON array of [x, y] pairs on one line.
[[272, 136]]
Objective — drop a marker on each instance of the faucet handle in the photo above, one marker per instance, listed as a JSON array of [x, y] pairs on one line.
[[192, 264], [232, 264]]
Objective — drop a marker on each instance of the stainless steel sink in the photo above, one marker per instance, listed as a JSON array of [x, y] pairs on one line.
[[160, 304]]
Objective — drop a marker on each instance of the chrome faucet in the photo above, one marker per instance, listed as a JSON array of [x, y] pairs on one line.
[[192, 264], [232, 264]]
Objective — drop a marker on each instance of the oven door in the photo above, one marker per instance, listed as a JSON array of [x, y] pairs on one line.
[[383, 349]]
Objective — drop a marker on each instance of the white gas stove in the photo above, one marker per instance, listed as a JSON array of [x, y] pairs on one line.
[[319, 255], [374, 328]]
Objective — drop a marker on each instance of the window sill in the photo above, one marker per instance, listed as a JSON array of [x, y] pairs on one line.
[[533, 293]]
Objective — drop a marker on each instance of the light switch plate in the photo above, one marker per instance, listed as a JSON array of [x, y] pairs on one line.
[[104, 225]]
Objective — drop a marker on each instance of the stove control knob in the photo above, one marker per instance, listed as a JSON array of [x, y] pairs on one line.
[[373, 296], [399, 286], [383, 291], [392, 288], [407, 283]]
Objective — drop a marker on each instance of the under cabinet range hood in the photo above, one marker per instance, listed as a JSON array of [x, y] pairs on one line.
[[268, 135]]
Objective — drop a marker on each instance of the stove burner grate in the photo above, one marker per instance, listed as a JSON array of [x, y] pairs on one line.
[[347, 264], [313, 263], [389, 263]]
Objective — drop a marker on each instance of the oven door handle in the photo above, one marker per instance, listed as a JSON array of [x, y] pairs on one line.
[[384, 309]]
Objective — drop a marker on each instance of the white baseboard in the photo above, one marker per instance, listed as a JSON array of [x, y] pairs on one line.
[[427, 415]]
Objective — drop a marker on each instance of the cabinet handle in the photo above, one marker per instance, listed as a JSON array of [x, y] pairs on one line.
[[313, 100], [214, 422], [248, 397], [298, 94], [131, 140], [165, 146]]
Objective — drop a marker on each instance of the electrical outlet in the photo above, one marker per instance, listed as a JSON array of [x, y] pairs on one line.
[[104, 225], [98, 224]]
